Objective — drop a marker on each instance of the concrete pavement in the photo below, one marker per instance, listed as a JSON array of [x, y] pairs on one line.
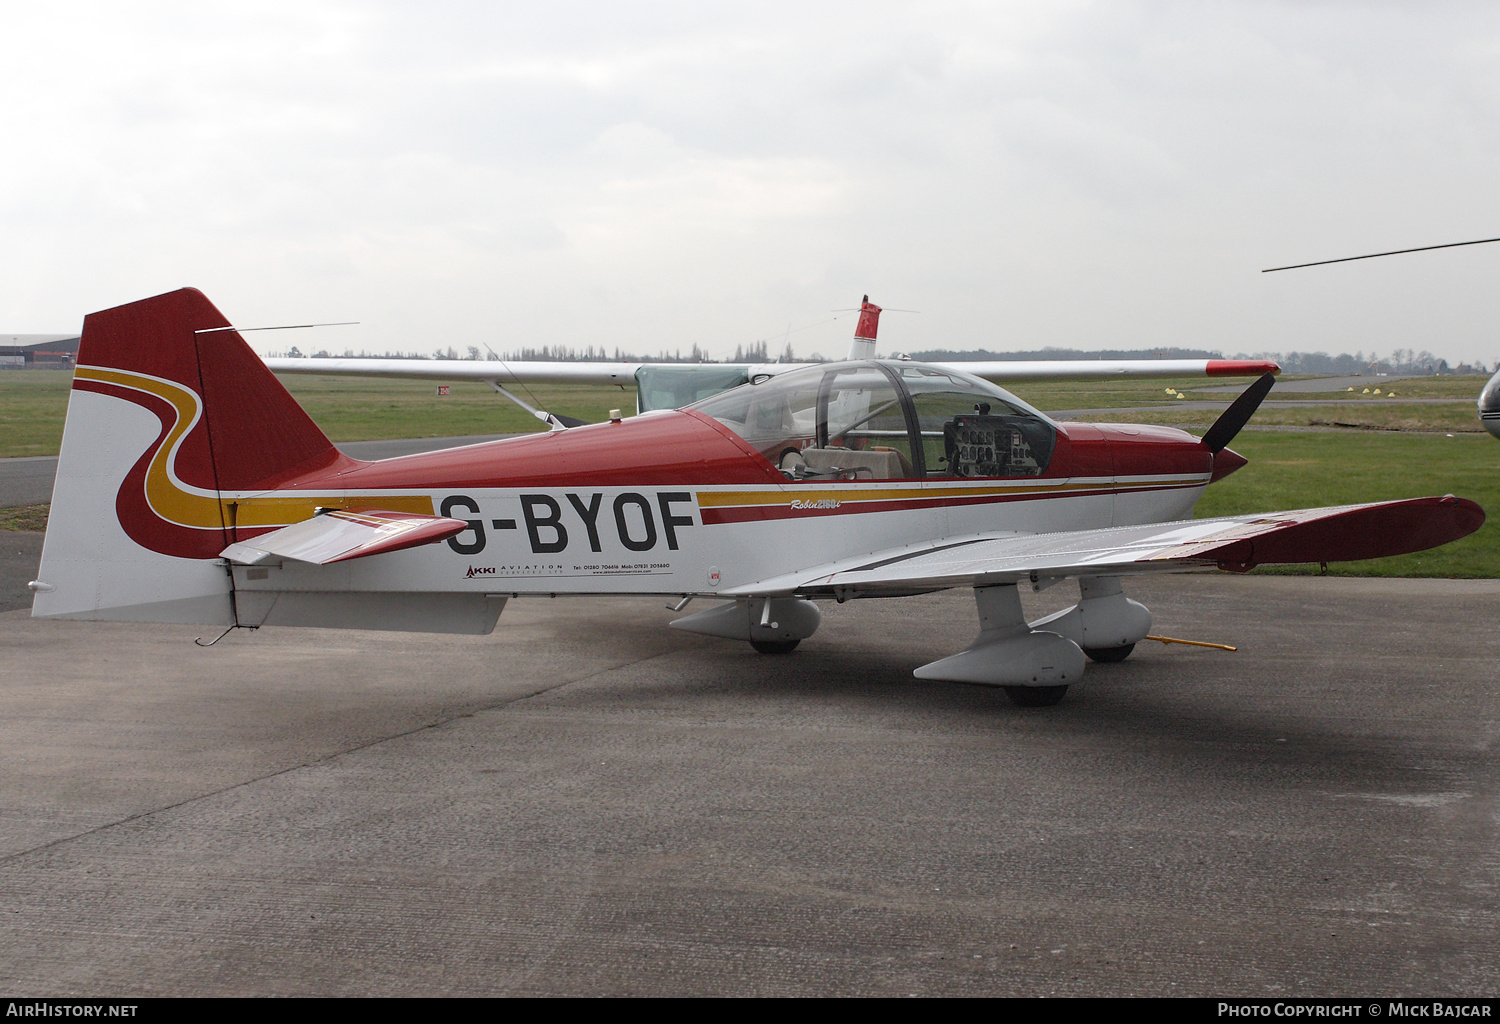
[[587, 802]]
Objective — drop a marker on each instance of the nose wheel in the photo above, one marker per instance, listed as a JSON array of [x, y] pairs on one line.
[[775, 646], [1105, 655], [1035, 696]]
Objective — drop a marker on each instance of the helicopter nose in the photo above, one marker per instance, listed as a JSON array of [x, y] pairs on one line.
[[1489, 405], [1226, 461]]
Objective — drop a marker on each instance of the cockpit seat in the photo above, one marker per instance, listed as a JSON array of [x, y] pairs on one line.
[[866, 465], [906, 470]]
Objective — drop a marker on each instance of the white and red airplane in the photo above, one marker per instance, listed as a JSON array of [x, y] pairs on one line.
[[192, 488]]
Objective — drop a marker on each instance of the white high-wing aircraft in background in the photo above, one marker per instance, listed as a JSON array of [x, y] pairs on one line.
[[191, 487], [673, 385]]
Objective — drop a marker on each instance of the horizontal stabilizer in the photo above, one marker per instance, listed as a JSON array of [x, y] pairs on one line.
[[1236, 543], [341, 534]]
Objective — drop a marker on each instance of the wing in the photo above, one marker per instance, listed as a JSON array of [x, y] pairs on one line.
[[1235, 543], [1001, 371], [466, 369], [581, 372], [340, 535]]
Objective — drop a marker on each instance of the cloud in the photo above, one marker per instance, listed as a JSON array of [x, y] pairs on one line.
[[1091, 174]]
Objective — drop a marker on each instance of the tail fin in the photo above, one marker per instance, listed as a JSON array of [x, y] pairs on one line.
[[170, 409], [863, 345]]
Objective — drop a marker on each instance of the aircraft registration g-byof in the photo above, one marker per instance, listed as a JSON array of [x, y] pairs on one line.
[[192, 488]]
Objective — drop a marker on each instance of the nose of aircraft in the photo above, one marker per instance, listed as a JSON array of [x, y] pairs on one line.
[[1226, 461], [1489, 405]]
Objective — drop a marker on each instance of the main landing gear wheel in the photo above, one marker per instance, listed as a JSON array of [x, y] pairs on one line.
[[780, 647], [1035, 696], [1109, 654]]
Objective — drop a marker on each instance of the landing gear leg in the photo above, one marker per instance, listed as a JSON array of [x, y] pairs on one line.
[[1033, 666], [1104, 622]]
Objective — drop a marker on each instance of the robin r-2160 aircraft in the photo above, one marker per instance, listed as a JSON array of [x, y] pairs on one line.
[[192, 488]]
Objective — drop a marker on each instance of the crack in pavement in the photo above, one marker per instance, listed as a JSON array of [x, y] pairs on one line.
[[139, 815]]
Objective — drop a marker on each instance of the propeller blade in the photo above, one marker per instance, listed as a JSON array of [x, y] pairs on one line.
[[1238, 414]]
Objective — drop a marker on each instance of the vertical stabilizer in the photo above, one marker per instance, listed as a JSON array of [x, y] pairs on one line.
[[170, 409], [863, 346]]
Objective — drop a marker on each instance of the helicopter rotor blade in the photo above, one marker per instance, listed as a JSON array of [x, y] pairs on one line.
[[1371, 256]]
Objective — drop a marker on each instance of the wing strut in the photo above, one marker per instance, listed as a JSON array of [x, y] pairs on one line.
[[554, 421]]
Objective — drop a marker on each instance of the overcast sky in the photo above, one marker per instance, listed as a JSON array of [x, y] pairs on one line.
[[1089, 175]]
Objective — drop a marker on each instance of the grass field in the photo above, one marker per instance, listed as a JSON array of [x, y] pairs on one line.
[[1307, 470], [32, 406], [34, 402], [372, 409], [1049, 395], [24, 517], [1287, 469], [1449, 417]]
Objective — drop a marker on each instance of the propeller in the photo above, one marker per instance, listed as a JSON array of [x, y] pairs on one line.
[[1237, 415]]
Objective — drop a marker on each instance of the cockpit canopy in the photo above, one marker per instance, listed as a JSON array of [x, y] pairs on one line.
[[886, 421]]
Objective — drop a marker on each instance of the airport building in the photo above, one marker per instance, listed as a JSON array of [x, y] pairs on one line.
[[38, 351]]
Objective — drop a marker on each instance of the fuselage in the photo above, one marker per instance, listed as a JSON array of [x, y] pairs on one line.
[[673, 502], [778, 475]]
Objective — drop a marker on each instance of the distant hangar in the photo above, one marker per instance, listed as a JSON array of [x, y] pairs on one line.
[[38, 351]]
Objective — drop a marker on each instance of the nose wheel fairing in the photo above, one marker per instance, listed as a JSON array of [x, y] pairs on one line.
[[1008, 652]]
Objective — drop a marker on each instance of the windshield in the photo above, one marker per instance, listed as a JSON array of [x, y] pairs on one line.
[[673, 386], [886, 421], [972, 428]]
